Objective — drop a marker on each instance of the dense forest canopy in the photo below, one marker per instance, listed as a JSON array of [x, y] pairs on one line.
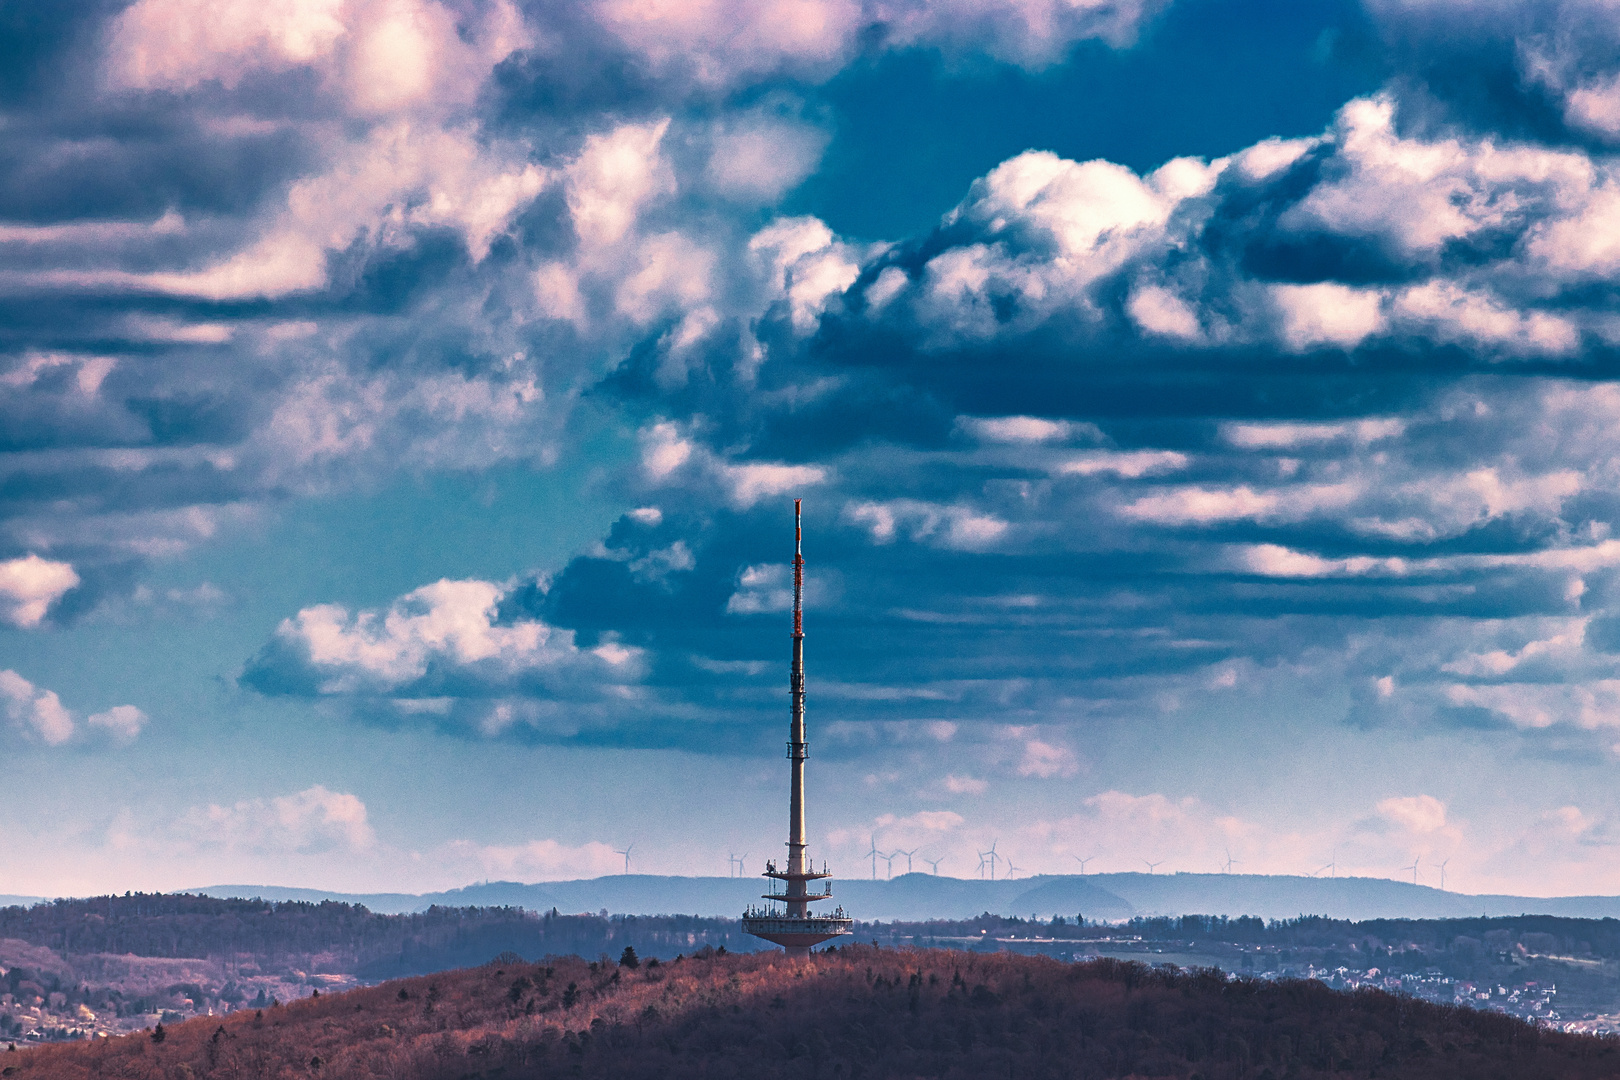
[[346, 937]]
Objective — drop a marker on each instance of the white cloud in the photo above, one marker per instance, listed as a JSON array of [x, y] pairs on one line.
[[30, 585], [959, 527], [311, 821], [1274, 560], [762, 589], [1327, 314], [1415, 813], [536, 860], [659, 563], [451, 625], [1591, 705], [668, 272], [1594, 106], [1158, 310], [1038, 234], [1498, 662], [805, 265], [1485, 493], [1088, 220], [665, 451], [37, 712], [1417, 194], [1294, 436], [378, 56], [1448, 312], [1198, 505], [182, 42], [451, 617], [1125, 464], [122, 722], [1046, 760], [756, 158], [400, 175], [1270, 156], [615, 176], [1026, 429], [752, 482], [965, 785], [720, 41], [890, 283], [923, 821]]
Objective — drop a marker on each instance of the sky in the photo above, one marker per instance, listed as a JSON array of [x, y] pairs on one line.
[[1206, 415]]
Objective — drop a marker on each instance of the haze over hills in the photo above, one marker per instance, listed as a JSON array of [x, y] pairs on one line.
[[919, 896]]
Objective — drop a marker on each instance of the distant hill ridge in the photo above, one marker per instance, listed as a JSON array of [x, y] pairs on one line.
[[917, 896]]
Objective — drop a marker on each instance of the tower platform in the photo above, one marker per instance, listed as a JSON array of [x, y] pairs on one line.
[[795, 933]]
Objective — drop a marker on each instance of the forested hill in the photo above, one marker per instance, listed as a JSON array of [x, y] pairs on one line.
[[859, 1012], [347, 938], [338, 937]]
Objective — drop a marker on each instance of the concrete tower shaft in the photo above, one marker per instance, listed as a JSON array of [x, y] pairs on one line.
[[798, 749]]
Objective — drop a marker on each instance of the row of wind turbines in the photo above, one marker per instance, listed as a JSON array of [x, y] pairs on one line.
[[991, 859], [988, 860]]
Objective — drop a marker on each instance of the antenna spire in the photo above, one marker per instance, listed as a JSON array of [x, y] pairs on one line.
[[798, 596]]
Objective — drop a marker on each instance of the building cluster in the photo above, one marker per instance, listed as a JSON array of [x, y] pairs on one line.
[[1533, 1001], [33, 1013]]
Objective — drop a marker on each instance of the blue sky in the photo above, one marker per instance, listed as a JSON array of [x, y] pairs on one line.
[[1205, 415]]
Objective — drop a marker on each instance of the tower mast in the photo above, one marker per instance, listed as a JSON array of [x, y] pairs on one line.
[[795, 928], [798, 749]]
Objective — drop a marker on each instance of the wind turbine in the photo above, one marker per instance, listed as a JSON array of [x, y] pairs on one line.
[[740, 871], [1082, 862], [732, 859], [988, 857], [1011, 869], [1442, 868], [1153, 865], [935, 864], [908, 855], [626, 853], [1413, 868], [874, 853], [1333, 865], [889, 858], [1230, 862]]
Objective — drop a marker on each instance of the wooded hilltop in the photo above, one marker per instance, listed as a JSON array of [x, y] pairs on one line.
[[859, 1011]]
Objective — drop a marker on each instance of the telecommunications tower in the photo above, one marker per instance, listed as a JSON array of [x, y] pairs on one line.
[[792, 925]]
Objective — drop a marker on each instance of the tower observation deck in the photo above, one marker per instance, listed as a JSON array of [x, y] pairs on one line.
[[786, 919]]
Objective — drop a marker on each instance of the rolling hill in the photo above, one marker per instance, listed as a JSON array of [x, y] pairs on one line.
[[923, 896]]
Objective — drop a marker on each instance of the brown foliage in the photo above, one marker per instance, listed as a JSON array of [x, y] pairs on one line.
[[859, 1012]]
